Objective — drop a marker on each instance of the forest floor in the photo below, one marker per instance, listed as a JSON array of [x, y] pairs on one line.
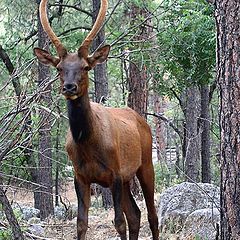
[[100, 220]]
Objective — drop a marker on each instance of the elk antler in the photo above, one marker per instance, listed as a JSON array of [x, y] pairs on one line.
[[96, 27], [61, 50]]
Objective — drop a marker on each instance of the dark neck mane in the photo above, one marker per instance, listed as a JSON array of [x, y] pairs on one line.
[[80, 118]]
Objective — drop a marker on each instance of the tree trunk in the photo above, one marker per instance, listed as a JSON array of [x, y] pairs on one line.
[[44, 196], [57, 167], [205, 135], [16, 230], [100, 71], [192, 161], [137, 75], [101, 90], [228, 65], [138, 93], [159, 129]]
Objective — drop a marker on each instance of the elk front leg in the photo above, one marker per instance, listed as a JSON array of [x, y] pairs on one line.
[[83, 197], [120, 223]]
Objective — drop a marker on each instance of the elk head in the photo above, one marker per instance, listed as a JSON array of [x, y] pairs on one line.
[[73, 67]]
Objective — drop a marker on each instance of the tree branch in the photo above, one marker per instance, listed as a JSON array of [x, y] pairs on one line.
[[177, 97], [74, 29], [72, 6], [6, 206], [166, 120], [9, 65], [6, 60]]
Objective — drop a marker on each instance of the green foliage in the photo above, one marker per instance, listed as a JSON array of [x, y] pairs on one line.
[[197, 237], [164, 177], [186, 45], [6, 234]]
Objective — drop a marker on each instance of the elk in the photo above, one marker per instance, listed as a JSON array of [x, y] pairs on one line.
[[108, 146]]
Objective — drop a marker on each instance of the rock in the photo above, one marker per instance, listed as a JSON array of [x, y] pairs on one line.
[[202, 224], [27, 212], [178, 202], [36, 229], [62, 214]]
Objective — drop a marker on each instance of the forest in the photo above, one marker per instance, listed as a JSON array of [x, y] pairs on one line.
[[176, 63]]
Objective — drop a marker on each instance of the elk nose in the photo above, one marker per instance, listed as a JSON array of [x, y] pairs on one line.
[[69, 88]]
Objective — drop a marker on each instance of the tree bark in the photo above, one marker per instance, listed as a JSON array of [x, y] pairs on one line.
[[191, 112], [205, 134], [101, 90], [228, 65], [57, 167], [159, 129], [100, 71], [16, 230], [137, 75], [44, 196], [138, 93]]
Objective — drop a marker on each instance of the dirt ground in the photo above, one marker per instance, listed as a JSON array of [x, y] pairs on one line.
[[100, 220]]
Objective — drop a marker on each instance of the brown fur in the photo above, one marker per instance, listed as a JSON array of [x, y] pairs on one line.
[[120, 146], [115, 143], [106, 145]]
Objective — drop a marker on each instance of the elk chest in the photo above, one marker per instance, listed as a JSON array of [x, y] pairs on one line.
[[91, 163]]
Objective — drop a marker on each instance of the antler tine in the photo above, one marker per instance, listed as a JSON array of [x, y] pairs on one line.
[[61, 50], [97, 25]]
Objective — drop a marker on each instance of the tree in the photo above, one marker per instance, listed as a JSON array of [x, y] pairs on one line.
[[101, 89], [100, 71], [16, 230], [205, 134], [159, 128], [192, 150], [137, 74], [186, 63], [228, 65], [44, 196]]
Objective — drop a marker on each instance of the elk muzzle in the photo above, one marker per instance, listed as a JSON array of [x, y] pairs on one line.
[[70, 91]]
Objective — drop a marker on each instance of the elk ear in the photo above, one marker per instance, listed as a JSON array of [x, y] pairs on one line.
[[45, 57], [99, 56]]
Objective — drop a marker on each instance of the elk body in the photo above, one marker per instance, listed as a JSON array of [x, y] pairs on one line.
[[108, 146]]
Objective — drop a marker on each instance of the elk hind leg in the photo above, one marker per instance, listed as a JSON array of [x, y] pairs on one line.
[[132, 212], [145, 176]]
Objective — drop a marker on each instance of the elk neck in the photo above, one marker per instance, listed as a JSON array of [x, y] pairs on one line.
[[80, 118]]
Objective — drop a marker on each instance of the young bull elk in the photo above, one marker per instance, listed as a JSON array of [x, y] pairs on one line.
[[107, 146]]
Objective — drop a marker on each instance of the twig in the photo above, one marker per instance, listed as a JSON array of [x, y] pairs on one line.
[[165, 119], [72, 6]]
